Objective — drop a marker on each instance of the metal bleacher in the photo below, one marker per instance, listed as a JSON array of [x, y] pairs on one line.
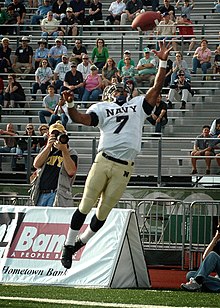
[[167, 155]]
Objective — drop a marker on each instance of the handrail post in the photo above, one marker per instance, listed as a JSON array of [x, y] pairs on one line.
[[140, 46], [122, 46], [93, 149], [159, 164], [28, 160]]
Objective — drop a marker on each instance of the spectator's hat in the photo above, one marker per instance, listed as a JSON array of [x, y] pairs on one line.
[[42, 41], [165, 14], [58, 40], [147, 50], [73, 64], [184, 15], [65, 56], [93, 68], [57, 126], [69, 9], [5, 39], [181, 72], [127, 51], [25, 39]]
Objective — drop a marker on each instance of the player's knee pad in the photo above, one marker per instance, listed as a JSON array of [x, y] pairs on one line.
[[77, 220], [96, 224]]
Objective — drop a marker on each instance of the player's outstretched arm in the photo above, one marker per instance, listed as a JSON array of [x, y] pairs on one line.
[[162, 54]]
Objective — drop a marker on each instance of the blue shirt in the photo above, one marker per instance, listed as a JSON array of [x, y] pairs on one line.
[[58, 51], [41, 53], [43, 10]]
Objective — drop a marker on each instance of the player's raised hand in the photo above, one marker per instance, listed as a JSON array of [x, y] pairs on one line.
[[164, 51]]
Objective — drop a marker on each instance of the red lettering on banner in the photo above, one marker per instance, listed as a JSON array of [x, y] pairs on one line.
[[41, 241]]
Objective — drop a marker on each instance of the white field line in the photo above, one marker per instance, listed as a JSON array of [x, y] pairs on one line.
[[81, 303]]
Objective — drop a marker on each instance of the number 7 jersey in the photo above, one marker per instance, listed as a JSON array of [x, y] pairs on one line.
[[120, 127]]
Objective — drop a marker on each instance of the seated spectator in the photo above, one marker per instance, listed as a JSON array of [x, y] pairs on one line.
[[43, 130], [202, 58], [168, 73], [19, 8], [100, 53], [23, 58], [22, 147], [154, 4], [1, 95], [167, 8], [215, 128], [128, 71], [14, 93], [133, 8], [59, 8], [43, 78], [78, 7], [85, 66], [49, 103], [33, 3], [147, 68], [41, 12], [121, 62], [78, 51], [186, 32], [158, 117], [166, 29], [9, 142], [216, 64], [73, 81], [202, 279], [3, 20], [60, 113], [13, 21], [186, 8], [95, 12], [5, 54], [116, 9], [50, 26], [40, 53], [217, 7], [109, 70], [70, 21], [60, 71], [180, 89], [56, 52], [179, 64], [93, 86], [203, 146]]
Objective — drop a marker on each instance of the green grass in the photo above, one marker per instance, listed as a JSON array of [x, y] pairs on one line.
[[175, 298]]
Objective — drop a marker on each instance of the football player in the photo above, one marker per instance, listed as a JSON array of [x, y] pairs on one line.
[[120, 119]]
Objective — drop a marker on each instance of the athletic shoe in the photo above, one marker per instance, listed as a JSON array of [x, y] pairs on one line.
[[69, 251], [194, 171], [207, 171], [191, 286]]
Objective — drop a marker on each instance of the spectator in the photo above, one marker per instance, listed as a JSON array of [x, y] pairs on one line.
[[78, 7], [73, 81], [43, 130], [116, 9], [13, 21], [59, 8], [40, 53], [121, 62], [202, 280], [202, 58], [186, 9], [33, 3], [216, 65], [78, 51], [100, 53], [85, 66], [56, 52], [217, 7], [56, 166], [49, 103], [14, 93], [203, 146], [20, 9], [5, 54], [93, 85], [60, 71], [133, 8], [180, 89], [215, 128], [43, 78], [9, 142], [186, 32], [109, 70], [128, 71], [1, 95], [71, 22], [168, 73], [22, 147], [95, 12], [50, 26], [146, 68], [158, 117], [166, 29], [154, 4], [179, 64], [3, 20], [41, 12], [23, 58], [167, 8], [60, 113]]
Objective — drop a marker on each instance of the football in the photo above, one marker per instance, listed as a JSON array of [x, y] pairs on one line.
[[146, 21]]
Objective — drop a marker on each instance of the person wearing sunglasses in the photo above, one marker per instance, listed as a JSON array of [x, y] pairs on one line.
[[180, 90], [49, 26]]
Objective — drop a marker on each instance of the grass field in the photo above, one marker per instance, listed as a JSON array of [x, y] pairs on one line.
[[88, 298]]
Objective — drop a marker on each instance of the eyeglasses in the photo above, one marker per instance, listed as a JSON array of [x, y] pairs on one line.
[[100, 42], [43, 129], [44, 62], [181, 75], [177, 55], [127, 59], [50, 15], [10, 78], [29, 128], [85, 58]]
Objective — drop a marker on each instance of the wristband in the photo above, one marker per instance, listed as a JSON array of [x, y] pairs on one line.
[[70, 104], [162, 64]]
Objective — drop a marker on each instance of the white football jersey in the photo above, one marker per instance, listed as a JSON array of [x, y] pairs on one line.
[[120, 127]]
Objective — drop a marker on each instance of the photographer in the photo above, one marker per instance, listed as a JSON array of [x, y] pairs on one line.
[[201, 280], [56, 166]]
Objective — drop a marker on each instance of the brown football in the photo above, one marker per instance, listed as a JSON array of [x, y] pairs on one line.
[[146, 21]]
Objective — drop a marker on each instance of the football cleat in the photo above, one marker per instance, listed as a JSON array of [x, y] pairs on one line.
[[69, 251]]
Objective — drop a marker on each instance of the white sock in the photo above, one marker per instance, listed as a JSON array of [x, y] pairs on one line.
[[86, 235], [71, 236]]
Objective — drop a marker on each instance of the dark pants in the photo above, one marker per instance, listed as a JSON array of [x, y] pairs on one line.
[[43, 87], [15, 97], [158, 126]]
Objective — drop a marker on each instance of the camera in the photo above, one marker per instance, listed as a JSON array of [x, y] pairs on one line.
[[63, 138]]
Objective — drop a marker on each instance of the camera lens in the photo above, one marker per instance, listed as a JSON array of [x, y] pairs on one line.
[[63, 138]]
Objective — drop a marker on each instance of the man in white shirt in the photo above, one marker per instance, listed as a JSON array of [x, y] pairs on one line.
[[166, 29], [60, 72], [116, 9], [84, 66]]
